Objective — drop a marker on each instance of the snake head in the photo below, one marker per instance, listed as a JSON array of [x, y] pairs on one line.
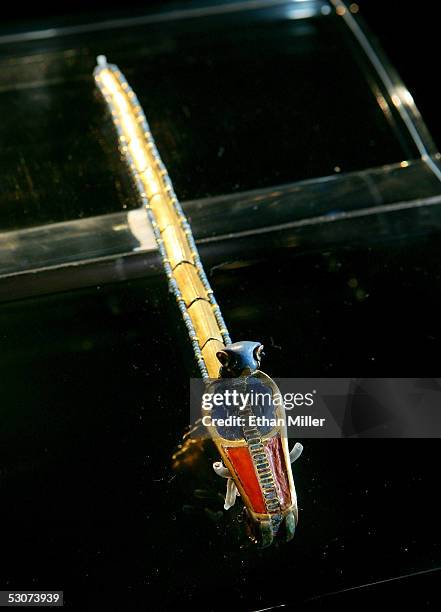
[[240, 358]]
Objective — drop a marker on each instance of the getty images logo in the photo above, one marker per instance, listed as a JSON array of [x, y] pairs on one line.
[[232, 398]]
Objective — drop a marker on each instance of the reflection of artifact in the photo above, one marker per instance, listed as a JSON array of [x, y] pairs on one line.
[[256, 463]]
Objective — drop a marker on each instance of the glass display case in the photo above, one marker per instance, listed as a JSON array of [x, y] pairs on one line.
[[313, 188]]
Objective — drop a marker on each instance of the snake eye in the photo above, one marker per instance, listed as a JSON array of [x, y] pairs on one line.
[[223, 357], [258, 353]]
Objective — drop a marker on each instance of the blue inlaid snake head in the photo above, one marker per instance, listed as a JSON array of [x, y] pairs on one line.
[[240, 358]]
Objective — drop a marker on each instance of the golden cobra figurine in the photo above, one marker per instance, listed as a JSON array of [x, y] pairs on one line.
[[256, 462]]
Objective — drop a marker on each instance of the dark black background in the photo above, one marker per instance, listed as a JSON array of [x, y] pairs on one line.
[[408, 32]]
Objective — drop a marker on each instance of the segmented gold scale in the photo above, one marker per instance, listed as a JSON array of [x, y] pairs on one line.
[[179, 254]]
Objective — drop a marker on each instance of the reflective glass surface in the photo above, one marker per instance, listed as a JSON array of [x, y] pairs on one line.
[[94, 403], [337, 277], [236, 101]]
